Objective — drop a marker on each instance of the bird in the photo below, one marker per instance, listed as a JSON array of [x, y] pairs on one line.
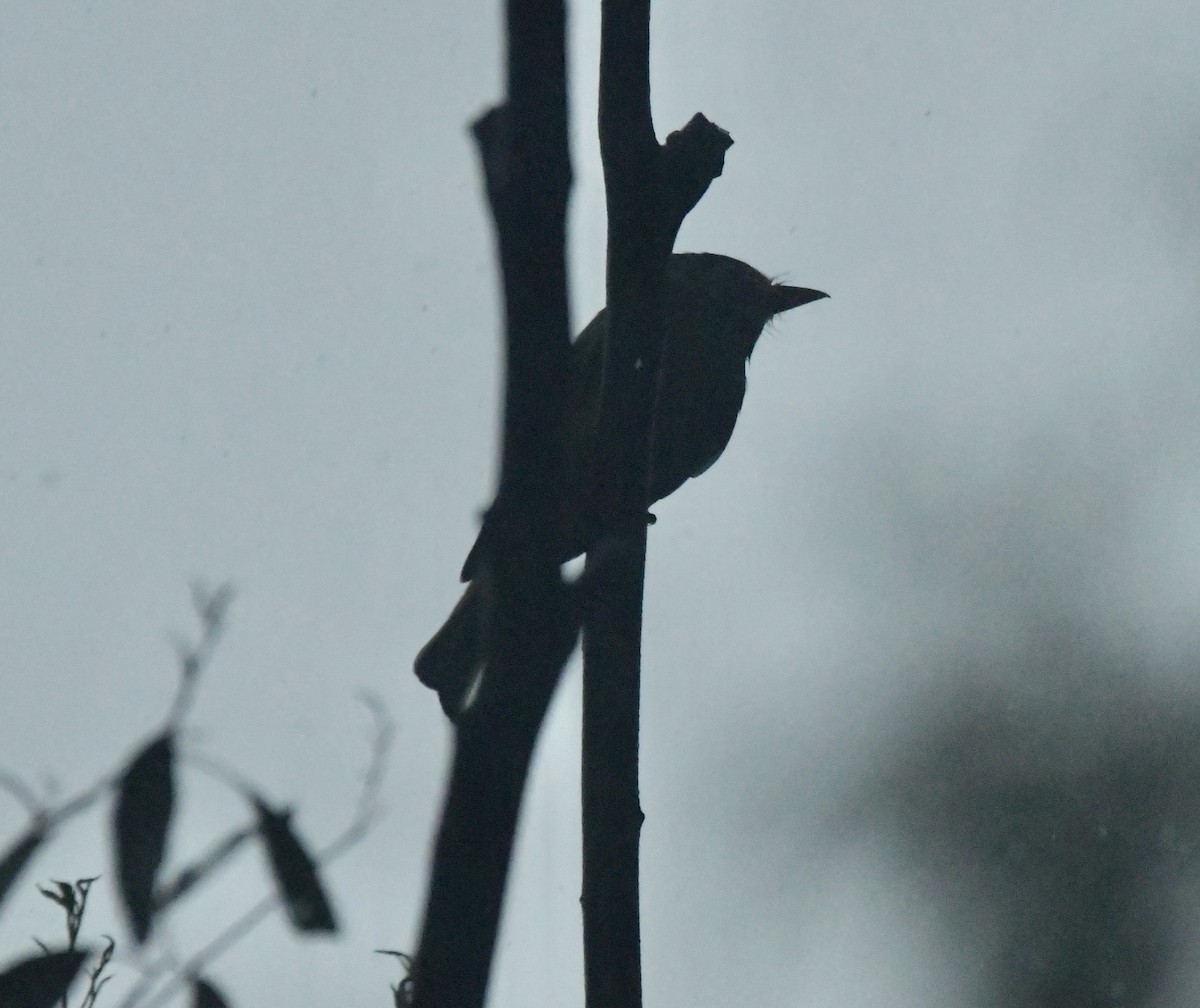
[[715, 308]]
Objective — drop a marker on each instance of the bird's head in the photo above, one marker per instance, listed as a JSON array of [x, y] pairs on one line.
[[731, 298]]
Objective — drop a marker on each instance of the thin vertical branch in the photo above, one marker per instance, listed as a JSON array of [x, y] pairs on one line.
[[649, 190], [637, 254]]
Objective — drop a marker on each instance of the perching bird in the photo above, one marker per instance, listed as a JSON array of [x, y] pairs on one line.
[[715, 309]]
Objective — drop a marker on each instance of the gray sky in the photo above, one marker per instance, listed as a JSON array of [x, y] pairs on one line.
[[249, 321]]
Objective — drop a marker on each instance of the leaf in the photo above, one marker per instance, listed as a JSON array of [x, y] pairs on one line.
[[205, 995], [65, 897], [17, 856], [295, 873], [41, 981], [145, 801]]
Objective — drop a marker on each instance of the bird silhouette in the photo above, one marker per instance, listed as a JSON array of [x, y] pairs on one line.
[[715, 309]]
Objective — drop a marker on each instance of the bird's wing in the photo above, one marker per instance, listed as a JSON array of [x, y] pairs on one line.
[[694, 424]]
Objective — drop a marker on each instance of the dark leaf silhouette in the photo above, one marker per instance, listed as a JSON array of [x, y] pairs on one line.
[[205, 995], [65, 897], [294, 870], [17, 856], [145, 800], [40, 981]]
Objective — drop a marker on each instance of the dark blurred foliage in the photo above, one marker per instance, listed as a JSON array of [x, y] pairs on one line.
[[1060, 813]]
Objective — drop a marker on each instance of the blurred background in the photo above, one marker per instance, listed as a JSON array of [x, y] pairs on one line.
[[920, 714]]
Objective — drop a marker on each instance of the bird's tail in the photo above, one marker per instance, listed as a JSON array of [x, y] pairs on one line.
[[450, 662]]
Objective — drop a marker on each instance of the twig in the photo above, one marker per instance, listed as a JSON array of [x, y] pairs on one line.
[[366, 811]]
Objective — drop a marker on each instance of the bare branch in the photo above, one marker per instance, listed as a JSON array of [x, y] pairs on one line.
[[649, 190], [529, 629]]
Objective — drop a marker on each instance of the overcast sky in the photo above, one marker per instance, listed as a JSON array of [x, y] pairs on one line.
[[249, 323]]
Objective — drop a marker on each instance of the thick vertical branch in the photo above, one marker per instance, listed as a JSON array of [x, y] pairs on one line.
[[523, 146], [649, 190]]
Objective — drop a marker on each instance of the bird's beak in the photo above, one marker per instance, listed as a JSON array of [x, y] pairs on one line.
[[784, 298]]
